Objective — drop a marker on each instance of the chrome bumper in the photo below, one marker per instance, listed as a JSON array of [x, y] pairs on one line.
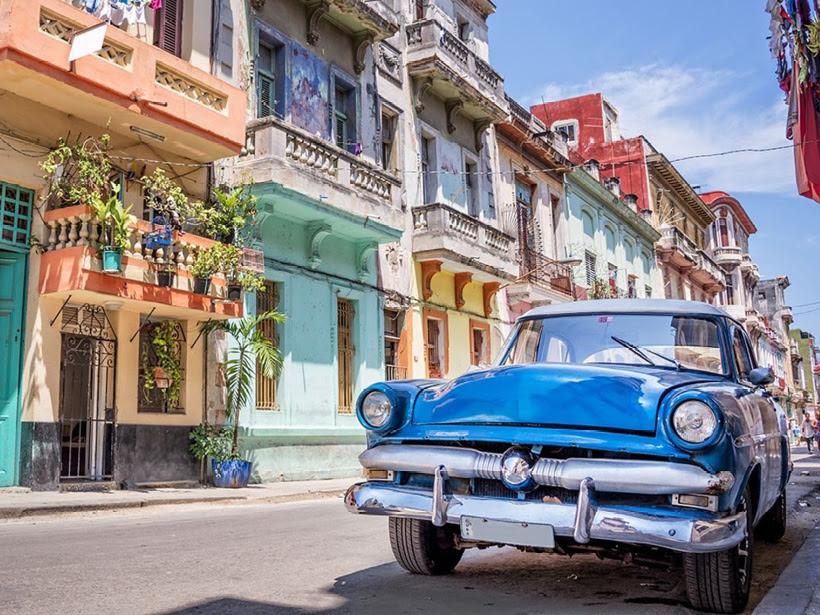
[[615, 475], [582, 522]]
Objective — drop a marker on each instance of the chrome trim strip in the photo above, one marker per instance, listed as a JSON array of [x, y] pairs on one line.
[[610, 475], [585, 511], [675, 533]]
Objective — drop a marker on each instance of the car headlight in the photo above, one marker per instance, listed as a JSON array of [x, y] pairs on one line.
[[694, 421], [376, 409]]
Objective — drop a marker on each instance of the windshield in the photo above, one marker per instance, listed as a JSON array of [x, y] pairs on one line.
[[684, 342]]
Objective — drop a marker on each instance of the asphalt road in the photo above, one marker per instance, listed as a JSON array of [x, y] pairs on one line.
[[314, 557]]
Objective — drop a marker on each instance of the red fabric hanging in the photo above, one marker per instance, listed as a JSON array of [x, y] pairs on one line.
[[807, 144]]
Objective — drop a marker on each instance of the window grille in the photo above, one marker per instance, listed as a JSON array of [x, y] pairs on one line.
[[15, 209], [267, 388], [392, 338], [434, 366], [347, 352]]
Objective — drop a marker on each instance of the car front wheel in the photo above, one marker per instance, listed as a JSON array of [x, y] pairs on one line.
[[422, 548], [720, 582]]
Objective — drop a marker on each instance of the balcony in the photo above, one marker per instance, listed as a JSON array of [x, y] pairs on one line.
[[676, 249], [748, 268], [463, 243], [395, 372], [707, 273], [128, 86], [753, 320], [70, 266], [787, 315], [541, 280], [521, 127], [442, 64], [291, 157], [365, 20], [728, 257]]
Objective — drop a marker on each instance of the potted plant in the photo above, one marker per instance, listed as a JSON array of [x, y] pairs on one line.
[[250, 349], [205, 265], [165, 277], [165, 374], [115, 230], [240, 278], [211, 441], [230, 213], [78, 174]]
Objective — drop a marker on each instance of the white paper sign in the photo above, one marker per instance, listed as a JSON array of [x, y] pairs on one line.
[[88, 41]]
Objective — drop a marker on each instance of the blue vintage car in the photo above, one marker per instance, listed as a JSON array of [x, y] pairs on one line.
[[632, 429]]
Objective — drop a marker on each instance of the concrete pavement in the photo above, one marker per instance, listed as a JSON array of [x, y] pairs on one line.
[[15, 502]]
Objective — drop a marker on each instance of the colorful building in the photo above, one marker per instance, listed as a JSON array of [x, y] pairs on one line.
[[330, 194], [531, 166], [615, 244], [74, 408], [462, 252], [591, 127], [777, 317]]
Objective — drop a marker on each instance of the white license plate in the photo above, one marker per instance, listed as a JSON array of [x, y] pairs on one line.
[[508, 532]]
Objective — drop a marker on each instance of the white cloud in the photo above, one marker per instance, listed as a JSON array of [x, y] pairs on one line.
[[686, 111]]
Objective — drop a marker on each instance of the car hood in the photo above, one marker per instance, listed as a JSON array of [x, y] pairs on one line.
[[613, 398]]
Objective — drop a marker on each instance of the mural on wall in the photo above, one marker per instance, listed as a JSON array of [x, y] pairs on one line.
[[310, 106], [450, 178]]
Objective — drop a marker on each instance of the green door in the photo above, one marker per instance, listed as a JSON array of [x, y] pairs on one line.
[[12, 289]]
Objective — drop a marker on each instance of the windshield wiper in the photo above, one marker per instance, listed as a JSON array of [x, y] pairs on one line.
[[641, 352]]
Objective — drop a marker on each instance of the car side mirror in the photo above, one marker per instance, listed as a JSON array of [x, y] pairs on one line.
[[761, 376]]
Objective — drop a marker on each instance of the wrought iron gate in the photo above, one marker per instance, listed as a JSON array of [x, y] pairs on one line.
[[87, 393]]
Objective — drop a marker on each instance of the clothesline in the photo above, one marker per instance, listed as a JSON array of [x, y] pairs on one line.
[[119, 12]]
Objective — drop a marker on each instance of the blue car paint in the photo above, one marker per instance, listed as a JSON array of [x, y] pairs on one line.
[[506, 405]]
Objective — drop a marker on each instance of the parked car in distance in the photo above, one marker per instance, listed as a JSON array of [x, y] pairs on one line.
[[636, 429]]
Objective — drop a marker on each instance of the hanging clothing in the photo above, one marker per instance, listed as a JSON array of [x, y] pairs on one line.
[[156, 4], [807, 143]]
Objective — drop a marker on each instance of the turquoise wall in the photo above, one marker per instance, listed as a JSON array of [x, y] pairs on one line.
[[308, 437]]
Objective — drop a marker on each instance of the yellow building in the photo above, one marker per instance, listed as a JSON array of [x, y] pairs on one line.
[[73, 405]]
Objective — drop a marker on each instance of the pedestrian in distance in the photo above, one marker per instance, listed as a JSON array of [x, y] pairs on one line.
[[816, 425], [807, 431]]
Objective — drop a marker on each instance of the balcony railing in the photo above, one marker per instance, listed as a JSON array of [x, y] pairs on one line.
[[728, 256], [313, 153], [71, 241], [711, 269], [429, 39], [672, 238], [545, 272], [395, 372], [441, 228]]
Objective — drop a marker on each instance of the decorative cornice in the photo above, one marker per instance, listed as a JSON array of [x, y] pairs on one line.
[[317, 233], [315, 11], [453, 107], [361, 43], [366, 249]]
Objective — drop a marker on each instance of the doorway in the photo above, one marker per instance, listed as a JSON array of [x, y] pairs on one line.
[[12, 299], [88, 369]]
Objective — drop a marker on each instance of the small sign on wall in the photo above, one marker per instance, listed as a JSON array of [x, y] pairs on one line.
[[87, 42]]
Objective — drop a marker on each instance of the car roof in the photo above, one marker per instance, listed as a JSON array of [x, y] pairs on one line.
[[626, 306]]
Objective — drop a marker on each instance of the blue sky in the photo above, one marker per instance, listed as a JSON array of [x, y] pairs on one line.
[[693, 77]]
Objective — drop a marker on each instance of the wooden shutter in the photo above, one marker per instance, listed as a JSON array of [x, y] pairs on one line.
[[346, 354], [266, 388], [590, 268], [168, 27], [266, 93]]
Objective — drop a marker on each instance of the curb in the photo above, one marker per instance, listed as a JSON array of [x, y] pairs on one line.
[[19, 512]]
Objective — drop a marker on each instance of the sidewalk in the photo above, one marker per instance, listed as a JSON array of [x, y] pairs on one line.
[[797, 590], [17, 502]]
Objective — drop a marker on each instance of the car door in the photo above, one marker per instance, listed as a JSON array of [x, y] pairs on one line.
[[764, 424]]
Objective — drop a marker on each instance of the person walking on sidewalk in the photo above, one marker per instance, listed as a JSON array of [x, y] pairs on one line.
[[807, 431], [815, 423]]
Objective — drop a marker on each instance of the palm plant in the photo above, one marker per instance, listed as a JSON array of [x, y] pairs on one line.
[[251, 347]]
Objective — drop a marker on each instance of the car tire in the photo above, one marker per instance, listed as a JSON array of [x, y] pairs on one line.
[[720, 582], [422, 548], [772, 526]]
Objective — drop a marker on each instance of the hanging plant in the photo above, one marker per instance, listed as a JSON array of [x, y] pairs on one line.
[[78, 174], [166, 370]]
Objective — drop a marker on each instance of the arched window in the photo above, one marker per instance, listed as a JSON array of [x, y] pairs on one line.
[[609, 236], [629, 250], [589, 224]]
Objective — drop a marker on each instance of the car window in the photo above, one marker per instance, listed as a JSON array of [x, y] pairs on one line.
[[742, 358], [692, 341], [526, 345]]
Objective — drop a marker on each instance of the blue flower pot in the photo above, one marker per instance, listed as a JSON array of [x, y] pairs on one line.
[[233, 473], [111, 259]]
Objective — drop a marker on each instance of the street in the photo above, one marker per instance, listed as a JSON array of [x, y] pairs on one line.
[[314, 557]]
